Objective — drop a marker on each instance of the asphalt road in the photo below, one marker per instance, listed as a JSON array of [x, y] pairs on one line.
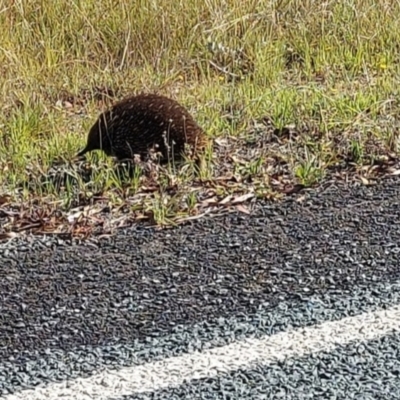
[[300, 300]]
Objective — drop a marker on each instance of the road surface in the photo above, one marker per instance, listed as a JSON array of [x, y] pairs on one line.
[[300, 300]]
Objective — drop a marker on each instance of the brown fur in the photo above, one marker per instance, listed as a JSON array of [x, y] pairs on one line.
[[140, 123]]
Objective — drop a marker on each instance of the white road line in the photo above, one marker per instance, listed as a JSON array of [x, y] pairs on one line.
[[244, 354]]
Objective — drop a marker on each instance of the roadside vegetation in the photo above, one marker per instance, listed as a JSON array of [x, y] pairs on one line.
[[288, 91]]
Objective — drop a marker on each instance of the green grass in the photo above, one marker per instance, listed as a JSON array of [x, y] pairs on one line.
[[285, 89]]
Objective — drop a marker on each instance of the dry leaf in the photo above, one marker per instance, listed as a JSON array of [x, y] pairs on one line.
[[243, 198], [208, 201], [227, 199], [242, 209], [221, 141], [8, 235], [73, 217]]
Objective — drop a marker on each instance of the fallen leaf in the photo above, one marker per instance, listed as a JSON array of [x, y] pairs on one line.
[[73, 217], [221, 142], [242, 209], [208, 201], [243, 198], [227, 199], [8, 235]]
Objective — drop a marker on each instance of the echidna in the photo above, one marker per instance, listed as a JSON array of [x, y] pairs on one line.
[[140, 123]]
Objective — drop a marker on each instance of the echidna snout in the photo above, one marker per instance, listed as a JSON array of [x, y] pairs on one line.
[[95, 140]]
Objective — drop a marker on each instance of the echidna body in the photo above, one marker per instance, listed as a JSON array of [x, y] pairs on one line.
[[140, 123]]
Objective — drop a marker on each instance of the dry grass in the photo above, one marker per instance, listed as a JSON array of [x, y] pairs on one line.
[[287, 91]]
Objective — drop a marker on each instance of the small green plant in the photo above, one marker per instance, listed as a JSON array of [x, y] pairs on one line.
[[356, 151], [163, 209], [309, 171], [191, 201]]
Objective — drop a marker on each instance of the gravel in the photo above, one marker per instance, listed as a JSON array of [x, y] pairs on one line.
[[71, 309]]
